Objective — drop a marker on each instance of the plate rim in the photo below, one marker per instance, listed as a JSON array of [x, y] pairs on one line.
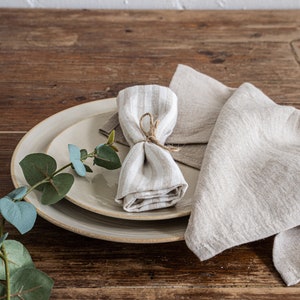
[[172, 237]]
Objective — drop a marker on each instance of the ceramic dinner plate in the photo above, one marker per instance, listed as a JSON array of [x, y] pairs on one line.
[[72, 217], [96, 191]]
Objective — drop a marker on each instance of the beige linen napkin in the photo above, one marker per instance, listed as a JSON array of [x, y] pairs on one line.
[[198, 109], [286, 252], [249, 183], [150, 178]]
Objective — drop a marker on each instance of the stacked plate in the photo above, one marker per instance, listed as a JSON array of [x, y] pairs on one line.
[[89, 208]]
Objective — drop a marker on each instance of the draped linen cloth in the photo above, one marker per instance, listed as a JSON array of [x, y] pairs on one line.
[[149, 178], [249, 183]]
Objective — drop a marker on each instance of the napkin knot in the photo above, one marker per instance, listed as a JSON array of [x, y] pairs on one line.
[[151, 133]]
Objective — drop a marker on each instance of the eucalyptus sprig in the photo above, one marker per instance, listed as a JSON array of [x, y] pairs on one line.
[[19, 279]]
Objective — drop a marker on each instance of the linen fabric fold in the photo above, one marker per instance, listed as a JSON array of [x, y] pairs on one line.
[[286, 255], [200, 100], [198, 108], [247, 148], [149, 178], [249, 183], [188, 154]]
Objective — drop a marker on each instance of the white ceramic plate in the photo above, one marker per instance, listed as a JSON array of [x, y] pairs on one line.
[[96, 191], [71, 217]]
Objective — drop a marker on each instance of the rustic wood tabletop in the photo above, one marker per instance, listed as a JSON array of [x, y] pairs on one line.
[[51, 60]]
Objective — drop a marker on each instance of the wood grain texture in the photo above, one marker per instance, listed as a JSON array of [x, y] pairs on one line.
[[69, 57], [54, 59]]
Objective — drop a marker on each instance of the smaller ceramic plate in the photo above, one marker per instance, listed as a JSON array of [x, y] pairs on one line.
[[96, 191]]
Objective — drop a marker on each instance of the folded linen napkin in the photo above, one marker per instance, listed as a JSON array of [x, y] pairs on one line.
[[149, 178], [249, 183]]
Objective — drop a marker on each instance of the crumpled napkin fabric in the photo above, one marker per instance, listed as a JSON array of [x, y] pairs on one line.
[[249, 183], [149, 178], [248, 149]]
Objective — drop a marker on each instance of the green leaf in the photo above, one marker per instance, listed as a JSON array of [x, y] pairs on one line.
[[75, 157], [111, 138], [36, 167], [20, 214], [83, 154], [31, 284], [2, 290], [18, 194], [88, 169], [3, 238], [114, 148], [57, 188], [106, 157], [18, 257]]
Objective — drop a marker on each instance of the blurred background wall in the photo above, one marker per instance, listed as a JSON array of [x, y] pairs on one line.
[[153, 4]]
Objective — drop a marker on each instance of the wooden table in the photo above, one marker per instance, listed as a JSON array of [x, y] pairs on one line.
[[54, 59]]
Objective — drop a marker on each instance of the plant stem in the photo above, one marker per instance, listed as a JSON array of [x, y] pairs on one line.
[[61, 169], [36, 185], [47, 179], [70, 164]]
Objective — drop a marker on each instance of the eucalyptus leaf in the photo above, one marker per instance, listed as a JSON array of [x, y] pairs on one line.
[[18, 257], [114, 148], [88, 169], [75, 157], [111, 138], [57, 188], [106, 157], [3, 238], [31, 284], [36, 167], [18, 193], [20, 214], [2, 290], [83, 154]]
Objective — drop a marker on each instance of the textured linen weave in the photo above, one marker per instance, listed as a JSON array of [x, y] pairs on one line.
[[149, 178]]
